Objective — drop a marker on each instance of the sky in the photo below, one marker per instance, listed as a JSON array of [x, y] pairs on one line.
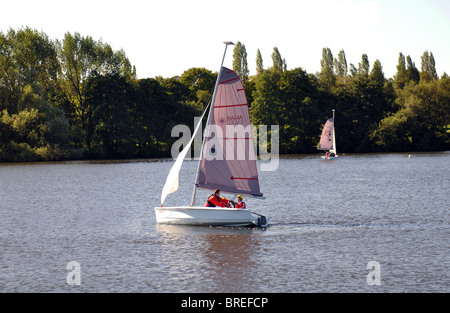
[[166, 38]]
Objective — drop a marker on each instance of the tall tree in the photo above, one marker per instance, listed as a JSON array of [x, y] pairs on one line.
[[377, 75], [412, 72], [364, 66], [81, 58], [300, 113], [428, 72], [401, 78], [353, 70], [279, 64], [340, 66], [259, 63], [240, 61], [267, 98], [77, 57], [327, 77], [27, 57], [110, 129]]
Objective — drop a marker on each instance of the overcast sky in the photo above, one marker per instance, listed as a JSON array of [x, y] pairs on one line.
[[165, 38]]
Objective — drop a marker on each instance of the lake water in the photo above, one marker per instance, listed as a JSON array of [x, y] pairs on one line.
[[329, 219]]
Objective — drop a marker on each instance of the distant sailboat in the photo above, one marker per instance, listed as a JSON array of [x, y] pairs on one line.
[[328, 140], [227, 161]]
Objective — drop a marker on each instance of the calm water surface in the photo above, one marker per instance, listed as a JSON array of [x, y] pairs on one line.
[[329, 219]]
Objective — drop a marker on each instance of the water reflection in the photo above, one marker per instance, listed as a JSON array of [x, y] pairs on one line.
[[227, 255]]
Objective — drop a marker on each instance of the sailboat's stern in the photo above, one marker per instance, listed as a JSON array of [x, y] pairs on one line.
[[262, 221]]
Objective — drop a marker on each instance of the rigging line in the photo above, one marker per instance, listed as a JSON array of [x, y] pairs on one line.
[[208, 103]]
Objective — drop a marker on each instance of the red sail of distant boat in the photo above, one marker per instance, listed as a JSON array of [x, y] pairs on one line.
[[326, 140], [228, 157]]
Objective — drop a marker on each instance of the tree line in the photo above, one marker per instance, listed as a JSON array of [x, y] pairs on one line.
[[79, 99]]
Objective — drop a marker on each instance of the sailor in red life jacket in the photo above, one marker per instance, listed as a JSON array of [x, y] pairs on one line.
[[240, 204], [215, 200]]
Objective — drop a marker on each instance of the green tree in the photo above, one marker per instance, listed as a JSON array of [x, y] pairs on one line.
[[377, 74], [266, 99], [279, 64], [78, 59], [361, 104], [32, 128], [364, 66], [340, 66], [175, 89], [200, 82], [26, 57], [240, 61], [157, 112], [259, 63], [38, 132], [401, 77], [300, 112], [412, 72], [110, 130], [428, 72], [392, 132], [422, 122], [353, 71], [326, 77], [290, 100], [82, 58], [11, 81], [406, 72]]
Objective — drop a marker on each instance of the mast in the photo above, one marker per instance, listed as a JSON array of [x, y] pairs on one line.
[[334, 137], [194, 192]]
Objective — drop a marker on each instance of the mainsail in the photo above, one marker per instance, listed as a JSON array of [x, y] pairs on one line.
[[327, 138], [228, 157]]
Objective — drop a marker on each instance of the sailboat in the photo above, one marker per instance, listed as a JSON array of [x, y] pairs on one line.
[[328, 140], [227, 161]]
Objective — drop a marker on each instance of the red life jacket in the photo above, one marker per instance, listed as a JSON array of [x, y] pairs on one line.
[[214, 201], [240, 205]]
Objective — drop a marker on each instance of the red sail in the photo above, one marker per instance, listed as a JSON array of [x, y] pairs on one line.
[[326, 140], [228, 158]]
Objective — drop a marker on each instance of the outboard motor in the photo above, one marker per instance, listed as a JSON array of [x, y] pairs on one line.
[[262, 221]]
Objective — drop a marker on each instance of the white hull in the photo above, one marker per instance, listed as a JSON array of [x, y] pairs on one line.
[[207, 216]]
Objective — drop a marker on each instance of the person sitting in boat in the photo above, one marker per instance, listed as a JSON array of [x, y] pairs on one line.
[[215, 200], [326, 155], [240, 204]]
